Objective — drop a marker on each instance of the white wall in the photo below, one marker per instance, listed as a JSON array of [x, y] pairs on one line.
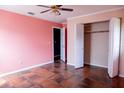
[[96, 17], [96, 45]]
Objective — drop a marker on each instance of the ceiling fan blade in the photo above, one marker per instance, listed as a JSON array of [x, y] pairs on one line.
[[45, 11], [44, 6], [58, 5], [65, 9]]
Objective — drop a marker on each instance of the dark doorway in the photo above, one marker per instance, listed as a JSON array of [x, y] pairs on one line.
[[57, 39]]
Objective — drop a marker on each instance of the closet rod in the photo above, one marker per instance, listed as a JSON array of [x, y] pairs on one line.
[[88, 32]]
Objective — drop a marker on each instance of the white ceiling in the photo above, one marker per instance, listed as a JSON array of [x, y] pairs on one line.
[[78, 10]]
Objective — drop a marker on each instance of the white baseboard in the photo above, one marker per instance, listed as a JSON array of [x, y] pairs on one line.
[[24, 69], [120, 75], [90, 64], [96, 65], [70, 64]]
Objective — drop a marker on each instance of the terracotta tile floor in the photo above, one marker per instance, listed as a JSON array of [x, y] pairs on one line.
[[59, 75]]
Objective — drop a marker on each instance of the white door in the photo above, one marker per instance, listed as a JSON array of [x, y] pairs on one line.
[[63, 44], [114, 45], [79, 45]]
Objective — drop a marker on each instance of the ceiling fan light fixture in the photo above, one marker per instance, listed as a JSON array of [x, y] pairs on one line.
[[55, 12], [55, 9]]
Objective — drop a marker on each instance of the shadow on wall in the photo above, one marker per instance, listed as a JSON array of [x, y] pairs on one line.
[[87, 43]]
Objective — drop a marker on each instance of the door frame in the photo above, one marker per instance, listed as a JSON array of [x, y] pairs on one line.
[[61, 31], [114, 46]]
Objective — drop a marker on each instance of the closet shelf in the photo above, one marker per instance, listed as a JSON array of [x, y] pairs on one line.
[[89, 32]]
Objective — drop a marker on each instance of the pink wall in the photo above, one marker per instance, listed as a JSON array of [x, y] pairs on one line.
[[24, 41]]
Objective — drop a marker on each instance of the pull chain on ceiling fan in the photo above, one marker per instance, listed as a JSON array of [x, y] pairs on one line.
[[55, 9]]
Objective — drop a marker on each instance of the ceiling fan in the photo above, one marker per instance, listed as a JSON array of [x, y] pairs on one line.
[[55, 9]]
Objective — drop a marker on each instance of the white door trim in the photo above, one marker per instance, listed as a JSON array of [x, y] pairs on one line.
[[63, 44]]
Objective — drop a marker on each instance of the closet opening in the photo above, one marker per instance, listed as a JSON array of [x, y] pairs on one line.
[[96, 44]]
